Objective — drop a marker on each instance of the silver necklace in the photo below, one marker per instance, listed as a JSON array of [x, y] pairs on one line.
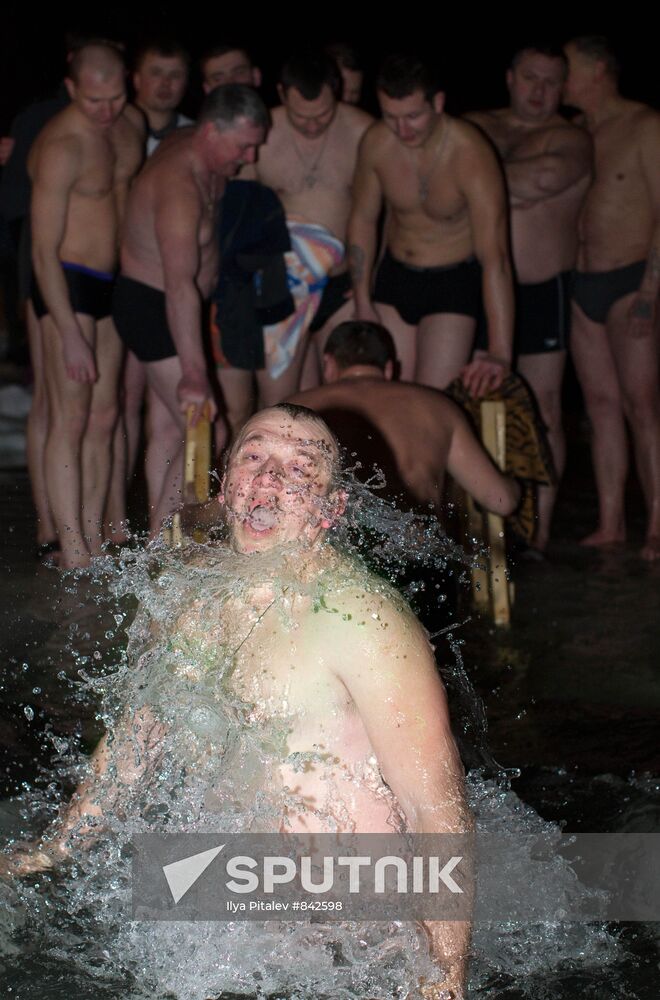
[[425, 178], [311, 169]]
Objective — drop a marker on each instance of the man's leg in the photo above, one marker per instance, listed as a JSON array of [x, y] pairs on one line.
[[37, 432], [97, 446], [636, 360], [274, 390], [237, 385], [405, 340], [135, 383], [68, 411], [444, 347], [594, 364], [311, 373], [545, 372], [166, 435]]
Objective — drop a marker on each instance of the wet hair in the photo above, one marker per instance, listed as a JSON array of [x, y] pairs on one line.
[[164, 47], [600, 49], [540, 48], [345, 56], [296, 412], [401, 75], [358, 342], [226, 104], [231, 45], [309, 72], [103, 55]]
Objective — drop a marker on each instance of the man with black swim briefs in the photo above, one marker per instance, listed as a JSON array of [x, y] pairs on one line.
[[446, 234], [615, 319], [81, 165], [547, 164], [168, 267]]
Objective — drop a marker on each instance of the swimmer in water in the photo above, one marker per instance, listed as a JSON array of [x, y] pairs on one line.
[[352, 675]]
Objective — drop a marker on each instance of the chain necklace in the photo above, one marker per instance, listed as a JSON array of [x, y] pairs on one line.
[[311, 169]]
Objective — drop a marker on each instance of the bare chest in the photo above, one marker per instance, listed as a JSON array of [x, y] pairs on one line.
[[618, 167], [425, 188], [294, 166]]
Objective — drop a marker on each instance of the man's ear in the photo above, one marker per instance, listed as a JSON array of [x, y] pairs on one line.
[[439, 102], [256, 77], [281, 93], [388, 370], [337, 505], [70, 87]]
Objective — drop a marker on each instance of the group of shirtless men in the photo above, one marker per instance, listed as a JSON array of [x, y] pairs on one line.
[[512, 226]]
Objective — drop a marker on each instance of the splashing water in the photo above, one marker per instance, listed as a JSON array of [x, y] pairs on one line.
[[205, 752]]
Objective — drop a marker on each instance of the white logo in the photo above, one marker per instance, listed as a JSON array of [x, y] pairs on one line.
[[182, 875]]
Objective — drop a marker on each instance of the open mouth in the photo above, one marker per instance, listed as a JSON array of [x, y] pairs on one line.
[[262, 518]]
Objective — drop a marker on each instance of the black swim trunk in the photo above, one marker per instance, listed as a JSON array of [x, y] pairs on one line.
[[543, 315], [90, 291], [334, 297], [139, 314], [596, 291], [416, 292]]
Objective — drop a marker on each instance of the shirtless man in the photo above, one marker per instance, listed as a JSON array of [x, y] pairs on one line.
[[160, 79], [308, 160], [547, 163], [228, 63], [446, 235], [363, 406], [360, 685], [168, 266], [81, 165], [615, 330]]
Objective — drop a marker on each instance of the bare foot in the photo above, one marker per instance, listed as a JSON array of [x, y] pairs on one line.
[[603, 537], [74, 555], [651, 549]]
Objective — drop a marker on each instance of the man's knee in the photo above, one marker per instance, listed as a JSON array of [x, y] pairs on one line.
[[103, 420], [549, 402], [642, 407]]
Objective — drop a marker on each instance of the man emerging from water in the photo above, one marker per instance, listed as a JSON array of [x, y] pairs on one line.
[[354, 681]]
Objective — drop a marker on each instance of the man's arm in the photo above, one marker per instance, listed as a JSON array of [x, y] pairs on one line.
[[362, 227], [643, 311], [473, 469], [564, 160], [177, 221], [481, 181], [55, 174], [387, 666]]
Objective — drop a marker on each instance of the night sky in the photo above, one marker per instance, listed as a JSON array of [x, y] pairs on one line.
[[469, 49]]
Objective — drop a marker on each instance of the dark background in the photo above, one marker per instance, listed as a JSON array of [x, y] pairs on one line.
[[469, 48]]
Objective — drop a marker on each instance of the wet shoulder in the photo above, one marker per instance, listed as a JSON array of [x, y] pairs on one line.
[[354, 119]]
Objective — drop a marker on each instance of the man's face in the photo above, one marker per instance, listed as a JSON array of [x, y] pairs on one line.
[[100, 100], [232, 67], [582, 71], [160, 82], [277, 482], [232, 147], [412, 118], [310, 118], [535, 86], [352, 85]]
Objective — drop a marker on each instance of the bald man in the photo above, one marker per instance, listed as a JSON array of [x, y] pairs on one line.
[[81, 165]]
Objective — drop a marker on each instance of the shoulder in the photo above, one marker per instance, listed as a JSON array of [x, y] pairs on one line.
[[486, 119], [647, 121], [376, 140], [59, 151], [355, 119]]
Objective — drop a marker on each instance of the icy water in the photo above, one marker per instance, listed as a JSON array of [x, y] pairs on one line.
[[573, 703]]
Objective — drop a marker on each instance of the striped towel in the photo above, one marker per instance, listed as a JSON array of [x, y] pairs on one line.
[[314, 253]]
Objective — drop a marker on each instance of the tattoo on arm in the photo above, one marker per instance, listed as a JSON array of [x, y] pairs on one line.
[[356, 262]]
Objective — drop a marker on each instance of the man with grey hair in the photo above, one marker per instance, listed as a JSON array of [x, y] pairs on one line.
[[615, 297], [168, 267]]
